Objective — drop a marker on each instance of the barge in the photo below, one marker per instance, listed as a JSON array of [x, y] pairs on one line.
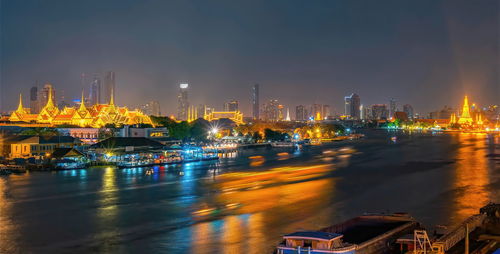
[[366, 234]]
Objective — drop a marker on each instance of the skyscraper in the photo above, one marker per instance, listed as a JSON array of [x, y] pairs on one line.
[[182, 100], [301, 113], [362, 114], [271, 110], [62, 103], [379, 111], [231, 105], [95, 91], [151, 108], [392, 107], [326, 111], [109, 88], [34, 108], [408, 109], [367, 113], [201, 110], [255, 102], [281, 113], [352, 104], [43, 96], [317, 111]]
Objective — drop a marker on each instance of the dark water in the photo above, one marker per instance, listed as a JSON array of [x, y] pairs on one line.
[[439, 179]]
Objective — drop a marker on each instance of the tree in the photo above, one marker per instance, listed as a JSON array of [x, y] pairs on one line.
[[162, 121], [39, 131], [274, 135], [199, 129], [110, 126], [67, 126], [105, 133], [179, 130], [256, 136]]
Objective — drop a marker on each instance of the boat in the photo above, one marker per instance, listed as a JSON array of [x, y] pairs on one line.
[[282, 144], [369, 233], [13, 168], [4, 170], [149, 162]]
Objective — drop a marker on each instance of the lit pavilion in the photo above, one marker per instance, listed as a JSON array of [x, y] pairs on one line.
[[96, 116]]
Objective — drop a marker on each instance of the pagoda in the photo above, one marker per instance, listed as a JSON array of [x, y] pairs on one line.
[[465, 117]]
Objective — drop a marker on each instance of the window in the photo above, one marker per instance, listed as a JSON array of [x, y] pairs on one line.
[[308, 243]]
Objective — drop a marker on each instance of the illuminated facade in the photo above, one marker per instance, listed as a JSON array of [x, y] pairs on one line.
[[465, 117], [209, 115], [471, 119], [235, 116], [95, 116]]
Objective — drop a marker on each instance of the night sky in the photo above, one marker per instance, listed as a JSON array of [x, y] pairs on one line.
[[425, 53]]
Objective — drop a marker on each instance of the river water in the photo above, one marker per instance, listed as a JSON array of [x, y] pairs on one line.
[[204, 207]]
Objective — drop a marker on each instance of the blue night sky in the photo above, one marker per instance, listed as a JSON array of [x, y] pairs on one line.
[[427, 53]]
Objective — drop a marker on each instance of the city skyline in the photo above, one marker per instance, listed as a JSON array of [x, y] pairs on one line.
[[425, 64], [152, 107]]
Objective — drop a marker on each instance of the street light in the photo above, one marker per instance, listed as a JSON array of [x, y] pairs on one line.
[[214, 130]]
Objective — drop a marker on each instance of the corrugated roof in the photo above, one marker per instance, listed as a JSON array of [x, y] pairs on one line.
[[313, 235], [118, 142], [66, 152]]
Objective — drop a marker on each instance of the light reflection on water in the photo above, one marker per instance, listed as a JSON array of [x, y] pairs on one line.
[[8, 232], [472, 175], [107, 211], [129, 209]]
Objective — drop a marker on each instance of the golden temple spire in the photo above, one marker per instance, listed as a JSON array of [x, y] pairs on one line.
[[112, 99], [480, 120], [465, 116], [82, 104], [20, 108], [453, 118], [50, 101]]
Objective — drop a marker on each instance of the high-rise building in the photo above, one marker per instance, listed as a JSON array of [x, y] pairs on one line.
[[151, 108], [392, 107], [352, 104], [408, 109], [62, 102], [367, 113], [154, 108], [201, 110], [301, 113], [379, 111], [271, 110], [444, 113], [95, 91], [325, 111], [317, 111], [182, 100], [362, 114], [34, 107], [255, 102], [231, 105], [43, 96], [281, 113], [109, 88]]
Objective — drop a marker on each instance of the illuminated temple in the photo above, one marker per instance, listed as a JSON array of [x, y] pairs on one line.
[[468, 118], [96, 116]]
